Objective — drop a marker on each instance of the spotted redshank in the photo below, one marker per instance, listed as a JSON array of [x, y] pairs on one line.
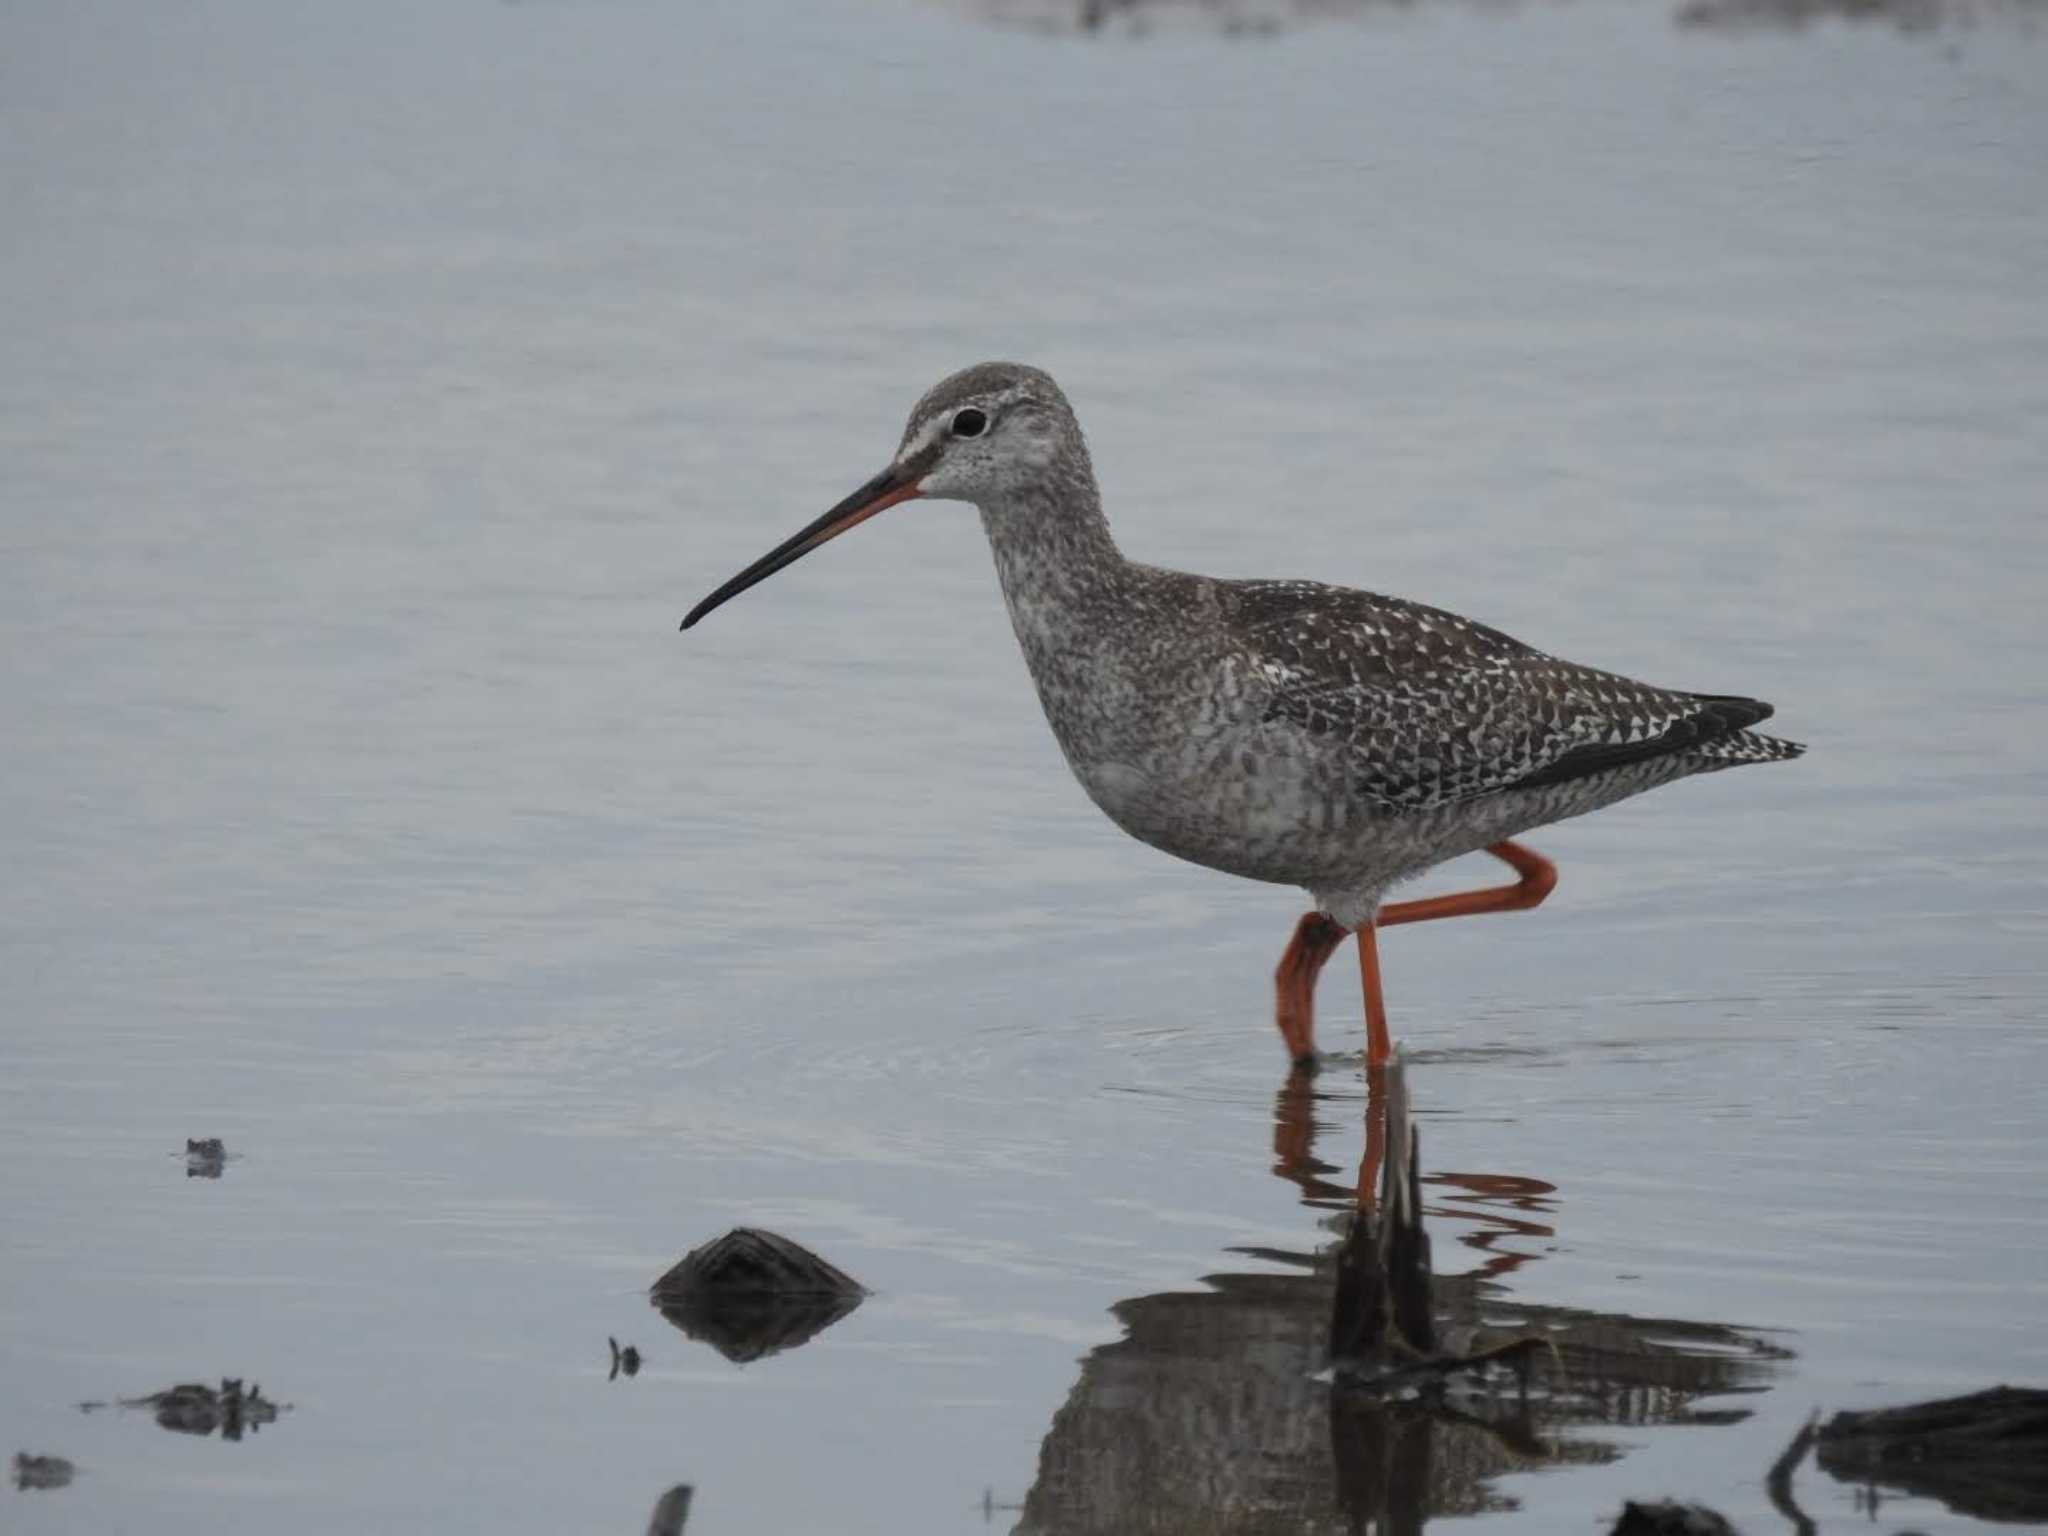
[[1285, 731]]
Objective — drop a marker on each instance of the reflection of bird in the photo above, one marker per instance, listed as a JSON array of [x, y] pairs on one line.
[[1216, 1411], [1281, 730]]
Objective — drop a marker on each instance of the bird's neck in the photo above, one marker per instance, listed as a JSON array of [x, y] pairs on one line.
[[1069, 591], [1054, 554]]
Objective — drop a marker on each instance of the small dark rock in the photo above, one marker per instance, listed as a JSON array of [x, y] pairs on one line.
[[41, 1471], [751, 1293], [748, 1261]]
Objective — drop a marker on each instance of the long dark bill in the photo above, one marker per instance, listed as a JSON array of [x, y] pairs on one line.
[[898, 482]]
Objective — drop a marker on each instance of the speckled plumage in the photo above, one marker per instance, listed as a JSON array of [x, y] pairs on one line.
[[1285, 731]]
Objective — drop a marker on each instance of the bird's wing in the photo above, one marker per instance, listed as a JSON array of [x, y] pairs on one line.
[[1436, 709]]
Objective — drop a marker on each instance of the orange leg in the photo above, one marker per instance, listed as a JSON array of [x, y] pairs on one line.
[[1315, 939], [1379, 1046], [1539, 879]]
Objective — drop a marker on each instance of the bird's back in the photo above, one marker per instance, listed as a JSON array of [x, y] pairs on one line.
[[1434, 709]]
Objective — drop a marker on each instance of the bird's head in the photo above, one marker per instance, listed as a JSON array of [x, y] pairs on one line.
[[990, 434]]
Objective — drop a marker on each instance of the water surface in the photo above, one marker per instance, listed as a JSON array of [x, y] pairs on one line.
[[381, 385]]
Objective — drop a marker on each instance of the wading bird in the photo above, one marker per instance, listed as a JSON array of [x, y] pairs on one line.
[[1285, 731]]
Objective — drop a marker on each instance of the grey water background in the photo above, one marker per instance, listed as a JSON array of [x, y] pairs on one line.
[[382, 382]]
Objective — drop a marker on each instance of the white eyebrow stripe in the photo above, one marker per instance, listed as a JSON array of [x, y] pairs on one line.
[[927, 435], [941, 422]]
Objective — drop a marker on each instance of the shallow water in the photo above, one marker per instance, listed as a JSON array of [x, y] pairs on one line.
[[382, 384]]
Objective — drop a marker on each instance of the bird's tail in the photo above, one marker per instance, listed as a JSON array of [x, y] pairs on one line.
[[1739, 747]]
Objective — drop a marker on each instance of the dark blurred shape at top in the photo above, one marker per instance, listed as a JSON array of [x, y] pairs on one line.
[[1906, 15], [1264, 18], [751, 1293]]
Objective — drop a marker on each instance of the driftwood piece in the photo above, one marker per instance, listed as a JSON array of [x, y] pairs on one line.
[[751, 1293], [1985, 1454]]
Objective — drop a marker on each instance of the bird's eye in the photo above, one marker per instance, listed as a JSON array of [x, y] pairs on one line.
[[970, 423]]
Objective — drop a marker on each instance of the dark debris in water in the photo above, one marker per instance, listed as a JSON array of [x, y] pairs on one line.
[[205, 1157], [42, 1471], [192, 1408], [750, 1294], [625, 1360]]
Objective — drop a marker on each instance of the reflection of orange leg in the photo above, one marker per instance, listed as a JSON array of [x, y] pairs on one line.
[[1375, 1125], [1539, 879], [1294, 984], [1485, 1194], [1294, 1136]]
